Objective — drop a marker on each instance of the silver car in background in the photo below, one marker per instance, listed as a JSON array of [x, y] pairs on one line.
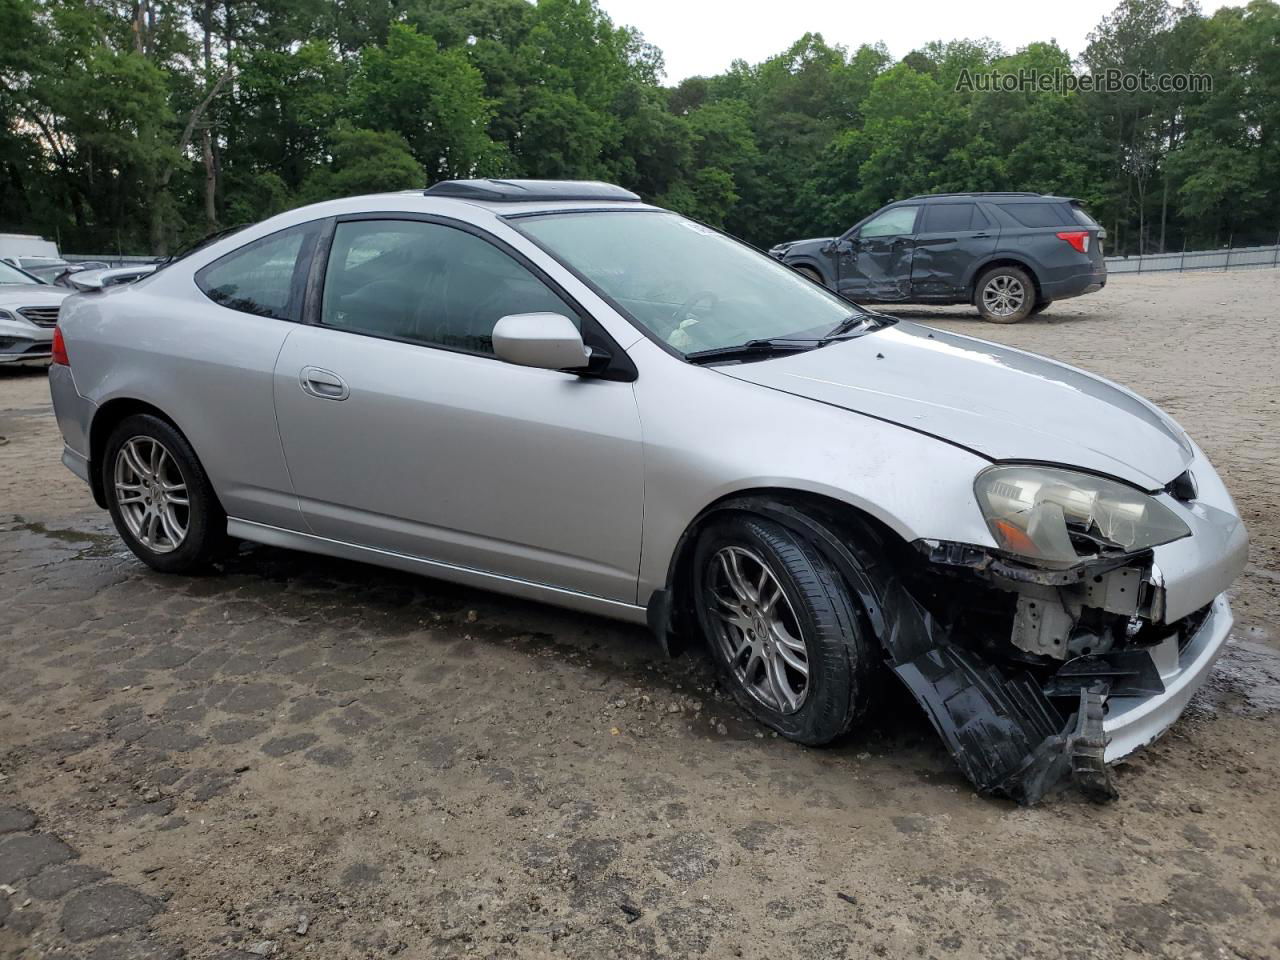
[[28, 314], [554, 390]]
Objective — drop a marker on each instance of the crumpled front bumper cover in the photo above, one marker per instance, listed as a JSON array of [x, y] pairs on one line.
[[1010, 739], [1133, 722], [1007, 737]]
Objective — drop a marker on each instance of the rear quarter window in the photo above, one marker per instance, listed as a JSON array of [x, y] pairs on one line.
[[261, 277], [1039, 214], [1081, 217]]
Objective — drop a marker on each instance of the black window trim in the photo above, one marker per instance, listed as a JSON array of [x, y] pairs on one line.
[[621, 367], [296, 306]]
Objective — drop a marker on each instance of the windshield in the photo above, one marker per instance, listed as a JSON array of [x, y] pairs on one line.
[[10, 274], [691, 287]]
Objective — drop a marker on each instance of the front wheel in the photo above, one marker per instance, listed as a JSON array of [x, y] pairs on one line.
[[159, 496], [786, 635], [1004, 295]]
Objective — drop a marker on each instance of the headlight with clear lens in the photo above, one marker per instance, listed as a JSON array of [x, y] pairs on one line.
[[1061, 517]]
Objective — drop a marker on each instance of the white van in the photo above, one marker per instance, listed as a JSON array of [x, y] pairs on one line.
[[16, 247]]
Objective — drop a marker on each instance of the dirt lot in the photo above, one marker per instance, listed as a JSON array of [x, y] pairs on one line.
[[307, 757]]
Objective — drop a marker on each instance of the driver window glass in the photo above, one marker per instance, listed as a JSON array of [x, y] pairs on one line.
[[427, 283], [896, 221]]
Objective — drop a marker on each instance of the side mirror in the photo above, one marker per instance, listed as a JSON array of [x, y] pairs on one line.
[[546, 340]]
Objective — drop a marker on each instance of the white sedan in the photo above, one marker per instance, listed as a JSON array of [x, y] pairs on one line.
[[28, 314]]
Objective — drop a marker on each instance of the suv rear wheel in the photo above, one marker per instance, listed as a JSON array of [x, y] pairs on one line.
[[1004, 295], [787, 636]]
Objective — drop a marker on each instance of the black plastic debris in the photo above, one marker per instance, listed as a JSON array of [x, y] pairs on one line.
[[1119, 673], [1005, 734]]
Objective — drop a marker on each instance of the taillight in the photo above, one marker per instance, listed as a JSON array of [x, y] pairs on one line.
[[59, 348], [1079, 239]]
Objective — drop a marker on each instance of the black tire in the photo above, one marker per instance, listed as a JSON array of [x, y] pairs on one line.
[[842, 655], [1041, 306], [1010, 275], [206, 526], [810, 273]]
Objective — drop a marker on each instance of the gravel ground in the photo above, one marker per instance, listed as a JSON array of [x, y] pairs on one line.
[[306, 757]]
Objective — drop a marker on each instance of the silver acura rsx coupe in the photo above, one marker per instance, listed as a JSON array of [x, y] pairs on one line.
[[557, 391]]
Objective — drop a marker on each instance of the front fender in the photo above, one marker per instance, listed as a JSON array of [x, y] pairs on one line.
[[823, 270], [709, 436]]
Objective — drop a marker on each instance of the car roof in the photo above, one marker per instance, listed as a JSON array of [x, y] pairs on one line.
[[1012, 196], [476, 208], [518, 191], [454, 200]]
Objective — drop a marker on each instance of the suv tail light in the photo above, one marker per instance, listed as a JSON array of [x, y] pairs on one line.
[[1079, 239], [59, 351]]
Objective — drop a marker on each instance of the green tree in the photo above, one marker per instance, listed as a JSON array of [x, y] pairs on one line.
[[433, 98]]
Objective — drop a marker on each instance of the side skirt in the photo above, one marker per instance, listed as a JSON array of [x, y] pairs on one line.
[[543, 593]]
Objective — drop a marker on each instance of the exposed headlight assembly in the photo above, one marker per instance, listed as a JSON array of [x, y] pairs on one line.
[[1060, 517]]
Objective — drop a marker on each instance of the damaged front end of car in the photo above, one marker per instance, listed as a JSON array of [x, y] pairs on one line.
[[1017, 681], [1046, 657], [1019, 652]]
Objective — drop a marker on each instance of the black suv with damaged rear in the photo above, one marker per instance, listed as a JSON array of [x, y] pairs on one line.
[[1009, 254]]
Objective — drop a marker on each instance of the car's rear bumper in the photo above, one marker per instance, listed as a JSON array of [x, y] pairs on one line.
[[1133, 722], [77, 464], [1074, 285], [74, 412]]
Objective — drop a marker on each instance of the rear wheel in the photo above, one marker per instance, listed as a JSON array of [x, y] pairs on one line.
[[159, 496], [1004, 295], [786, 635]]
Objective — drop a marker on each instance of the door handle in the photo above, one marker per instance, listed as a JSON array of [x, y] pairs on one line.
[[982, 235], [324, 384]]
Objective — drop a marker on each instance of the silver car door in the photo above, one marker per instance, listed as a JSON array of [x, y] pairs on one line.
[[404, 433]]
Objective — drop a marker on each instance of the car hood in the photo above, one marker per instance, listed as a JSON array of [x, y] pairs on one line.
[[1001, 403], [14, 295], [811, 245]]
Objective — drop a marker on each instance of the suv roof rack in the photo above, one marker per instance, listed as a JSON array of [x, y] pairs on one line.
[[979, 193], [516, 191]]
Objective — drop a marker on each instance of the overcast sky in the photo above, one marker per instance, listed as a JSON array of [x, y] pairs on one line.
[[705, 36]]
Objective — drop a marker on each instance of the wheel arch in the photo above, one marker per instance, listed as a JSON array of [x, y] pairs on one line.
[[823, 520], [808, 263], [105, 419], [1001, 260]]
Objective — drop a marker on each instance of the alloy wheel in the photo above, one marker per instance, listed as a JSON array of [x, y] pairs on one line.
[[1003, 295], [757, 630], [151, 493]]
